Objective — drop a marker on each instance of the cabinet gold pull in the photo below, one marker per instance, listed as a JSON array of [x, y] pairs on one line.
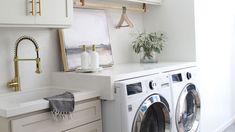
[[33, 9], [40, 7]]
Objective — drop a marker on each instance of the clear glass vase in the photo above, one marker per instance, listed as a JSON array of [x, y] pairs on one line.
[[148, 58]]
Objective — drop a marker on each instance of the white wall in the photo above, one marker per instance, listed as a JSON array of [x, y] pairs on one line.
[[215, 27], [232, 76], [176, 18], [121, 38], [215, 31], [50, 52], [48, 44]]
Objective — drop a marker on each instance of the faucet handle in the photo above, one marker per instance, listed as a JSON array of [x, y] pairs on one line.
[[15, 84], [38, 66]]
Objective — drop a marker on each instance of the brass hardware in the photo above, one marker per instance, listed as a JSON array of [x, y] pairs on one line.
[[144, 7], [105, 5], [40, 7], [12, 83], [82, 2], [33, 9], [124, 18], [26, 59], [38, 66], [15, 83]]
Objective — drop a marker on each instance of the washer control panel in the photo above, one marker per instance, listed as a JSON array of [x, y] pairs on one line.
[[143, 85]]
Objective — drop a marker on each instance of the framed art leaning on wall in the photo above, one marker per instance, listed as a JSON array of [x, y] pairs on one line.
[[89, 27]]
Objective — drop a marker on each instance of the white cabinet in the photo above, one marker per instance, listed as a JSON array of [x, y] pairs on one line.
[[54, 12], [15, 12], [85, 118], [36, 13], [92, 127], [154, 2]]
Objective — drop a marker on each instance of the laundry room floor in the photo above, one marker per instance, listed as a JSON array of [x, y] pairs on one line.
[[230, 128]]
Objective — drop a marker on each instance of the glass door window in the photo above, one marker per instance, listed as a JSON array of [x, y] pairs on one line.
[[188, 109], [153, 115]]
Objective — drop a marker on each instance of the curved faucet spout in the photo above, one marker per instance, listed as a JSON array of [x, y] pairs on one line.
[[15, 83], [26, 38]]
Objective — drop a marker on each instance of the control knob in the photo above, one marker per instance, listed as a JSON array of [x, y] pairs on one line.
[[188, 75], [152, 85]]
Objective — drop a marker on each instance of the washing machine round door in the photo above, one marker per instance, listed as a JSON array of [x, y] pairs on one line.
[[188, 109], [153, 115]]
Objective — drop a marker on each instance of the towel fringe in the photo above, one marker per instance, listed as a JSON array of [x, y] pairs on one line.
[[61, 115]]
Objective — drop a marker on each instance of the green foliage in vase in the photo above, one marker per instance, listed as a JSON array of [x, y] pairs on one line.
[[148, 43]]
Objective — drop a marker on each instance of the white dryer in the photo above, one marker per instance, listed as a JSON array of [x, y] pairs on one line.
[[186, 100], [141, 104]]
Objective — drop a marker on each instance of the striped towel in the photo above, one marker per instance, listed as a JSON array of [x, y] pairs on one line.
[[62, 105]]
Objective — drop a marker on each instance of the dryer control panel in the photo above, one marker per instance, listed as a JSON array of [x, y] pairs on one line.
[[177, 78]]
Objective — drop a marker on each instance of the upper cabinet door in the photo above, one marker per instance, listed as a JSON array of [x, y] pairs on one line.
[[16, 12], [154, 2], [54, 12], [36, 13]]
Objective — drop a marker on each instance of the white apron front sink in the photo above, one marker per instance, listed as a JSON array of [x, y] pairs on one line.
[[23, 102]]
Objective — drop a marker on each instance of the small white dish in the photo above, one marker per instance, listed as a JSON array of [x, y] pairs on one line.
[[89, 70]]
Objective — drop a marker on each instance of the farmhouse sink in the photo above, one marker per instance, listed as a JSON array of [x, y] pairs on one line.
[[24, 98], [17, 103]]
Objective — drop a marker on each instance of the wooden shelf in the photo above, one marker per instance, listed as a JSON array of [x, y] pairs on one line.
[[107, 5]]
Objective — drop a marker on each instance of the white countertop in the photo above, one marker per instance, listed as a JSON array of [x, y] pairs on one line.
[[131, 70], [104, 80], [17, 103]]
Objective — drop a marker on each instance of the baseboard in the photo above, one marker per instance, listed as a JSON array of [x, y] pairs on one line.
[[226, 125]]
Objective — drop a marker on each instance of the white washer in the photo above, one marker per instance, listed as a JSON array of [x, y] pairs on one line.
[[141, 105], [186, 100]]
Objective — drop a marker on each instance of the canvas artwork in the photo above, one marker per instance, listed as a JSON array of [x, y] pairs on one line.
[[89, 27]]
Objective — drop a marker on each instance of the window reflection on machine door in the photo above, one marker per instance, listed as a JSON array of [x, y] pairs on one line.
[[188, 110]]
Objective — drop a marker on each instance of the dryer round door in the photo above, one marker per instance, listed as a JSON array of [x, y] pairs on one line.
[[188, 109], [153, 115]]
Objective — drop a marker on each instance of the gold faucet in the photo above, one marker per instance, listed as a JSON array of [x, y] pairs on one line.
[[15, 83]]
